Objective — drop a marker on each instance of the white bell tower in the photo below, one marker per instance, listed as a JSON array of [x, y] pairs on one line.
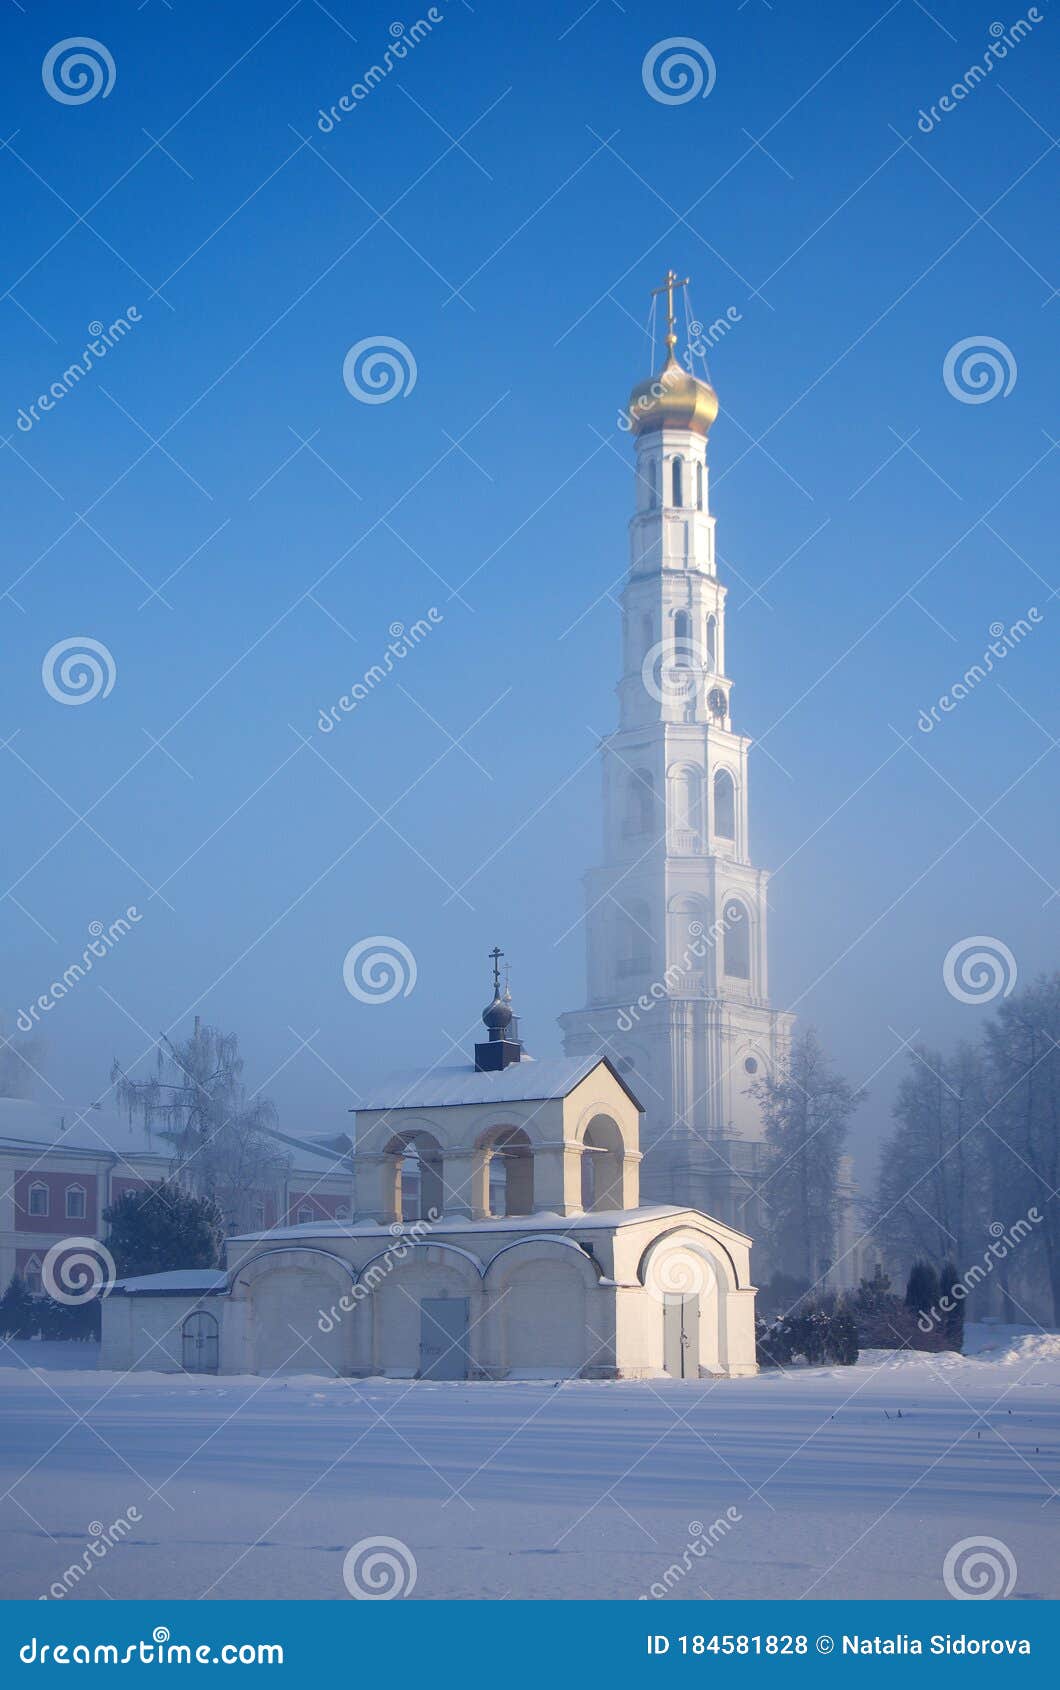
[[676, 915]]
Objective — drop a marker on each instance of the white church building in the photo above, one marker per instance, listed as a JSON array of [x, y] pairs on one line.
[[496, 1233], [678, 985]]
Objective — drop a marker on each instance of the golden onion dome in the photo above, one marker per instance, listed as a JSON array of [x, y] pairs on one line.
[[672, 399]]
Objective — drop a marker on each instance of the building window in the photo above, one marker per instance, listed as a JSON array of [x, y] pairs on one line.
[[305, 1215], [679, 482], [32, 1278], [640, 803], [75, 1202], [38, 1199], [684, 650], [750, 1065], [737, 941], [724, 805], [653, 485], [342, 1213], [259, 1214], [712, 643], [699, 487]]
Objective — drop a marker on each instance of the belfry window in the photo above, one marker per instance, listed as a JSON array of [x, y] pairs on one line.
[[678, 481], [640, 803], [712, 644], [699, 487], [653, 485], [683, 648], [737, 941], [724, 805]]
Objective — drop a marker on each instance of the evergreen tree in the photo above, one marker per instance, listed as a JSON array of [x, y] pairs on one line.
[[806, 1109], [952, 1318], [163, 1227], [922, 1290], [19, 1311]]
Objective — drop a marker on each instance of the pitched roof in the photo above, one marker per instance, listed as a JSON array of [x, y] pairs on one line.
[[521, 1082]]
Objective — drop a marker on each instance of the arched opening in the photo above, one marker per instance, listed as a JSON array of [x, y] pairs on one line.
[[417, 1170], [737, 948], [31, 1273], [510, 1180], [650, 483], [724, 805], [699, 487], [679, 481], [684, 650], [603, 1157], [38, 1198], [75, 1202], [198, 1343], [634, 939], [647, 635], [640, 802], [712, 643]]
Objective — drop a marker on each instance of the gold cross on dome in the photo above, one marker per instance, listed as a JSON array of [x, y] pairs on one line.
[[671, 282]]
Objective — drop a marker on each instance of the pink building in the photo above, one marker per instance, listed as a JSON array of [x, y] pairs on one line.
[[60, 1168]]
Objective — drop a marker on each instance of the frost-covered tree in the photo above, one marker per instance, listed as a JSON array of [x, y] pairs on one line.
[[221, 1135], [806, 1108], [20, 1063], [933, 1165], [161, 1228]]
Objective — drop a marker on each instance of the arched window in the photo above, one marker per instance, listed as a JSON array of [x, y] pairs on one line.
[[737, 948], [634, 940], [75, 1202], [259, 1215], [603, 1157], [653, 485], [38, 1198], [417, 1169], [305, 1215], [647, 631], [31, 1273], [699, 487], [724, 805], [688, 800], [342, 1212], [712, 643], [679, 481], [640, 803], [684, 652]]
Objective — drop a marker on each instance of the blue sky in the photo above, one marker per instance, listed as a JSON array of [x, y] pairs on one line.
[[502, 204]]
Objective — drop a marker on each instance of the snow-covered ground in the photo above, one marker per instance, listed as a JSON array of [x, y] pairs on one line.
[[849, 1482]]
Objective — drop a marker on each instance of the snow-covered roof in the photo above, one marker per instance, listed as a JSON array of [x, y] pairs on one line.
[[194, 1282], [521, 1082], [62, 1126], [544, 1220], [24, 1122]]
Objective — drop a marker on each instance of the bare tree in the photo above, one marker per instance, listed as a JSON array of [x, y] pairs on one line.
[[222, 1138]]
